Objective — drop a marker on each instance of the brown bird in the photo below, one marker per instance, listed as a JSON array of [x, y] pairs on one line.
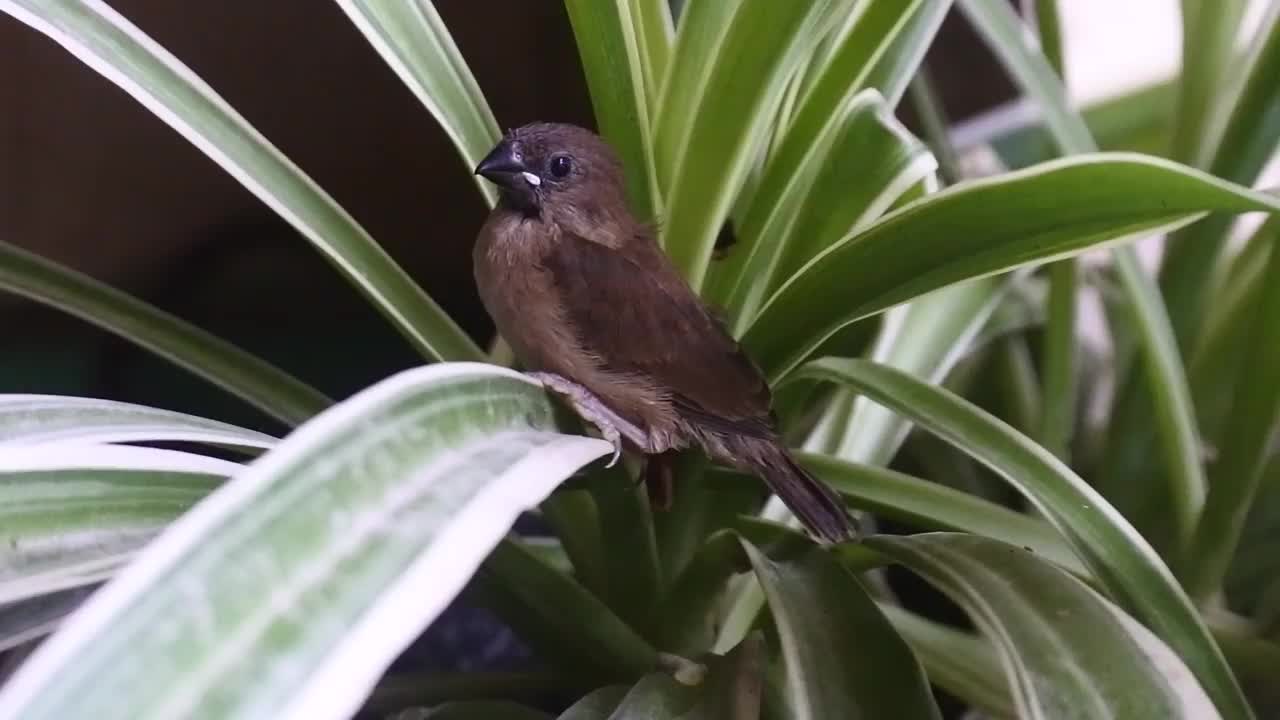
[[589, 301]]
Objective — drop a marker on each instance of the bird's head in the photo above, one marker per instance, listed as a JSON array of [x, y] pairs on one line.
[[555, 165]]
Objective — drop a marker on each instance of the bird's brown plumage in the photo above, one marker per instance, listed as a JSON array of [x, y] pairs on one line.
[[581, 289]]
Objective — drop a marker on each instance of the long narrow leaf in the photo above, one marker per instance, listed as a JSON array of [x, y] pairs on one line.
[[878, 46], [549, 610], [952, 236], [935, 332], [112, 46], [934, 506], [414, 42], [1161, 361], [825, 620], [40, 419], [1239, 151], [615, 60], [1066, 651], [1209, 31], [1123, 562], [763, 45], [961, 663], [67, 515], [252, 379], [289, 590], [1254, 412], [848, 176]]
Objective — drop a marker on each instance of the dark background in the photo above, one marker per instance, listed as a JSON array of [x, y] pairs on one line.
[[89, 178]]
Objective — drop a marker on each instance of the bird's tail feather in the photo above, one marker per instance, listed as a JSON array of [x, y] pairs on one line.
[[816, 505]]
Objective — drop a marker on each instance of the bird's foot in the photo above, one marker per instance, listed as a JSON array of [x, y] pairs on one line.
[[612, 426]]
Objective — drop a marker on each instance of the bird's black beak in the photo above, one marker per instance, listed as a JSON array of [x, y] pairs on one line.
[[503, 167]]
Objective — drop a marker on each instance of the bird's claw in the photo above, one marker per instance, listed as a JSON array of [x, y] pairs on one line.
[[589, 408], [611, 434]]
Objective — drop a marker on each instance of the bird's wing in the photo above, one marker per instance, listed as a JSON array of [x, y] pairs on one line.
[[634, 311]]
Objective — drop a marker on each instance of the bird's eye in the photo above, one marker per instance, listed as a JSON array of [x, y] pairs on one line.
[[561, 165]]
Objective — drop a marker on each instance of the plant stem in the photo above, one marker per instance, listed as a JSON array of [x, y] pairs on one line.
[[933, 121]]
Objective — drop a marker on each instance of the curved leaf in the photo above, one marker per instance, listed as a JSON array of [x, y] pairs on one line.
[[1237, 151], [556, 615], [961, 663], [70, 517], [848, 176], [291, 588], [825, 622], [1150, 321], [1066, 651], [934, 333], [598, 705], [930, 505], [952, 236], [876, 46], [1123, 562], [730, 690], [414, 42], [1246, 446], [250, 378], [727, 124], [40, 419], [112, 46]]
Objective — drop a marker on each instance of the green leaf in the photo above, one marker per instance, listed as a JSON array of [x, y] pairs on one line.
[[365, 522], [877, 45], [825, 622], [1238, 150], [926, 337], [574, 519], [656, 30], [1122, 561], [959, 662], [707, 147], [1161, 361], [932, 506], [687, 625], [1067, 652], [617, 57], [731, 690], [1060, 363], [111, 45], [414, 42], [1209, 31], [952, 236], [1246, 447], [1215, 365], [1049, 31], [699, 35], [40, 419], [635, 579], [257, 382], [559, 618], [807, 202], [1060, 366], [71, 515]]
